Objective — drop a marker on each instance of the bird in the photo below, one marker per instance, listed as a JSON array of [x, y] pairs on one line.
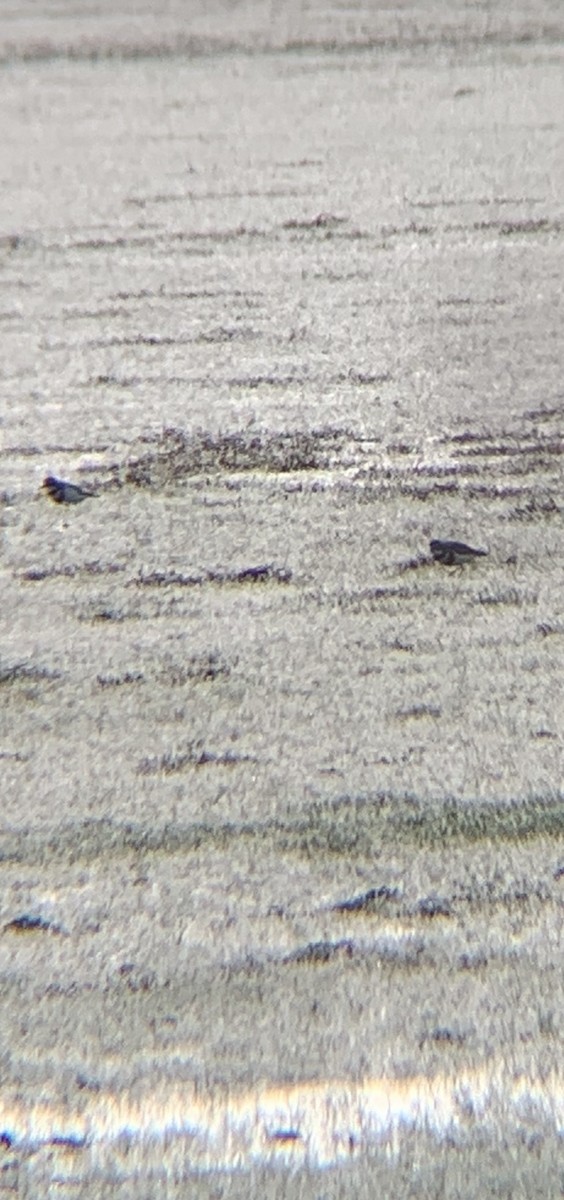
[[65, 493], [454, 553]]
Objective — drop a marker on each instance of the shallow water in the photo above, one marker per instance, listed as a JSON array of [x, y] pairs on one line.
[[281, 798]]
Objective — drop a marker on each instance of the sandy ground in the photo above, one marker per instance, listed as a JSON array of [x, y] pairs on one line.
[[282, 798]]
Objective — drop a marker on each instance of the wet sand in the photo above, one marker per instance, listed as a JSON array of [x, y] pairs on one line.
[[282, 808]]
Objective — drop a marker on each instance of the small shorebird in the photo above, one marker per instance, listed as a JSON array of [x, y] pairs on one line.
[[454, 554], [64, 493]]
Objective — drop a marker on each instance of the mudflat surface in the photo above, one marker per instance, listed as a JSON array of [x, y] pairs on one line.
[[281, 797]]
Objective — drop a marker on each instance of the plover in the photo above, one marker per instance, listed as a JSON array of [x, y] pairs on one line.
[[454, 554], [65, 493]]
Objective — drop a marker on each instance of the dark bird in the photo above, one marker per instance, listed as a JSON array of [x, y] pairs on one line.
[[64, 493], [454, 554]]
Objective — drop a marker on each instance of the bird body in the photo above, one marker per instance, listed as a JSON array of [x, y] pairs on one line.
[[65, 493], [454, 553]]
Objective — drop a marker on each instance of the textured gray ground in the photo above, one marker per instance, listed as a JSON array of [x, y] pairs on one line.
[[285, 287]]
